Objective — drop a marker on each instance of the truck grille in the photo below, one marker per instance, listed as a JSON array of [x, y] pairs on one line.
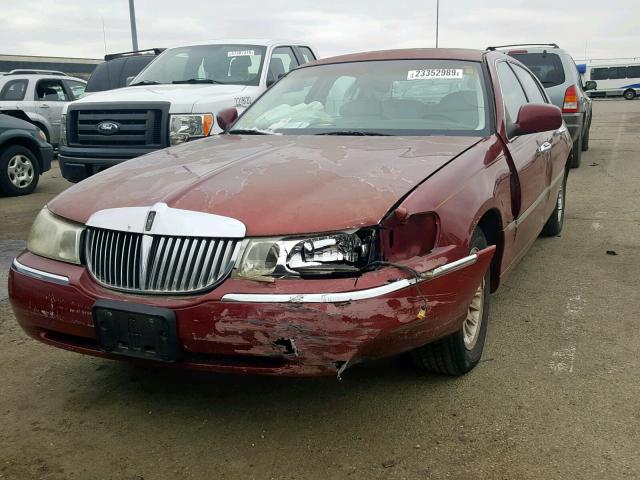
[[136, 127], [158, 264]]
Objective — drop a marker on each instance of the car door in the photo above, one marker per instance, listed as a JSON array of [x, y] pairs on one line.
[[530, 156], [50, 96], [556, 157]]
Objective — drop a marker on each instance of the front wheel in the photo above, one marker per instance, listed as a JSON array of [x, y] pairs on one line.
[[461, 351], [18, 171], [629, 94]]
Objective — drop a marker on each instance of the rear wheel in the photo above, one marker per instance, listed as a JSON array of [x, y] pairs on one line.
[[576, 158], [461, 351], [585, 138], [555, 222], [18, 171], [629, 94]]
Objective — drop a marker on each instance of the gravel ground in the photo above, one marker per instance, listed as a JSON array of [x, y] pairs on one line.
[[556, 396]]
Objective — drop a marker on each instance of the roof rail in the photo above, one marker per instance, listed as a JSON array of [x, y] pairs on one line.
[[29, 71], [112, 56], [554, 45]]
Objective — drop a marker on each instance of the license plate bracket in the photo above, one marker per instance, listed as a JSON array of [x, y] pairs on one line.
[[137, 331]]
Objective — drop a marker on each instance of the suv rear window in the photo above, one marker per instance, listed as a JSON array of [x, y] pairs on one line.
[[14, 90], [546, 66]]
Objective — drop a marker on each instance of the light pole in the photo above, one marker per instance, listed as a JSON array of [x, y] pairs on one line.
[[134, 31], [437, 19]]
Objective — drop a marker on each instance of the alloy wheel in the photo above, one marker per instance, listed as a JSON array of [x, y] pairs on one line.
[[21, 171]]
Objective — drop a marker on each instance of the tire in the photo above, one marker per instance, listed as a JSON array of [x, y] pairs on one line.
[[576, 158], [629, 94], [585, 138], [554, 224], [458, 353], [19, 173]]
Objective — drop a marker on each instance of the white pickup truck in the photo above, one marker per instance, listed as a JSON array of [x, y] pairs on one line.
[[173, 100]]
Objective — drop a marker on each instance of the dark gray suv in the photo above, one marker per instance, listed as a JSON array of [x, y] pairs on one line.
[[559, 75]]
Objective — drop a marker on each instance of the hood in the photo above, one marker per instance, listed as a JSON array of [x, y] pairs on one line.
[[182, 97], [275, 185]]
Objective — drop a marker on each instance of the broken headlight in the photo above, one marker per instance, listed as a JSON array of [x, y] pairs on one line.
[[342, 253]]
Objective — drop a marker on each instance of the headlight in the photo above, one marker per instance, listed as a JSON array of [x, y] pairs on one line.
[[342, 253], [182, 128], [63, 130], [54, 237], [42, 136]]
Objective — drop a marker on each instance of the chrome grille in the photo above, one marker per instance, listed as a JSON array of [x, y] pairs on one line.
[[158, 263]]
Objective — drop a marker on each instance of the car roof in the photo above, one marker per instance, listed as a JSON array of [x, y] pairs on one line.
[[406, 54], [240, 41]]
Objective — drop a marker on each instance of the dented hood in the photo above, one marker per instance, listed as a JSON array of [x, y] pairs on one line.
[[273, 184]]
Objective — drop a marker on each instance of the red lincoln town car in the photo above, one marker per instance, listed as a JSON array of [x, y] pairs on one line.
[[365, 206]]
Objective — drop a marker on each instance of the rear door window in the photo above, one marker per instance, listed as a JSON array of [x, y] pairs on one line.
[[51, 91], [14, 90], [546, 66], [529, 84]]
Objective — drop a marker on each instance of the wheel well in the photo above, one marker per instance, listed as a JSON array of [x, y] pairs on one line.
[[491, 226], [26, 143]]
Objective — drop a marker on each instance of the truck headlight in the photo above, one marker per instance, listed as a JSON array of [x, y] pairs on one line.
[[183, 128], [341, 253], [54, 237], [63, 130]]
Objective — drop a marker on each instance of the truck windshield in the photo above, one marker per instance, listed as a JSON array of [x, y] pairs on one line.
[[227, 64], [389, 97]]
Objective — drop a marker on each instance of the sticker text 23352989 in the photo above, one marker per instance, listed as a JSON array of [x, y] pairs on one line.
[[429, 73]]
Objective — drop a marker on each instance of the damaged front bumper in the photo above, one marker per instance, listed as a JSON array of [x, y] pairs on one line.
[[250, 327]]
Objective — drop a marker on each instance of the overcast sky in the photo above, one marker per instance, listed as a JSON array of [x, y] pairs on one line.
[[74, 27]]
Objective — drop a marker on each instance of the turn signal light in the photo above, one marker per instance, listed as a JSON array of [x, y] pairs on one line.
[[570, 104]]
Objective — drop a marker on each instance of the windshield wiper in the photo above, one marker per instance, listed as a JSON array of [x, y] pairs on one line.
[[249, 131], [199, 80], [355, 133], [145, 82]]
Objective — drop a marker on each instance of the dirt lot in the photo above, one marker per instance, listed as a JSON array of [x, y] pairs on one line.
[[556, 396]]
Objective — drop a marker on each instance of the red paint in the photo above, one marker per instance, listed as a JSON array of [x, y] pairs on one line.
[[426, 190]]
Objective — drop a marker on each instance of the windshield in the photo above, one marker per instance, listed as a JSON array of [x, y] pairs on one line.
[[390, 97], [222, 64]]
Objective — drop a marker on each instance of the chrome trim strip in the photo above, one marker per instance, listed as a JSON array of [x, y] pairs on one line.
[[39, 274], [535, 204], [338, 297]]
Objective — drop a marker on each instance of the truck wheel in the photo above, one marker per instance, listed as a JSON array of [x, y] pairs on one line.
[[629, 94], [555, 222], [461, 351], [576, 158], [18, 171]]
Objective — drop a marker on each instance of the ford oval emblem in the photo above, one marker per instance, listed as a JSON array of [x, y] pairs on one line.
[[108, 128]]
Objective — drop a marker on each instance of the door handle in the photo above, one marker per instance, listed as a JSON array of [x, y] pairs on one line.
[[544, 147], [44, 105]]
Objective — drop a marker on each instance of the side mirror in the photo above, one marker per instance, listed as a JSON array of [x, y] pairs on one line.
[[129, 80], [226, 118], [590, 85], [535, 118]]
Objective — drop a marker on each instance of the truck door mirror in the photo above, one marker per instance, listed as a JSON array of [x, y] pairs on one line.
[[129, 80], [226, 118], [590, 85]]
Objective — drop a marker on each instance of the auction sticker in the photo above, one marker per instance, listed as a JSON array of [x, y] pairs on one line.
[[429, 73], [241, 53]]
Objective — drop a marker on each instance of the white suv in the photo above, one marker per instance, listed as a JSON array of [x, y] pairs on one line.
[[41, 95], [173, 100]]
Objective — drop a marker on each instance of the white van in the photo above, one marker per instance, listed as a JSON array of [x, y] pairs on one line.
[[173, 100], [615, 77]]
